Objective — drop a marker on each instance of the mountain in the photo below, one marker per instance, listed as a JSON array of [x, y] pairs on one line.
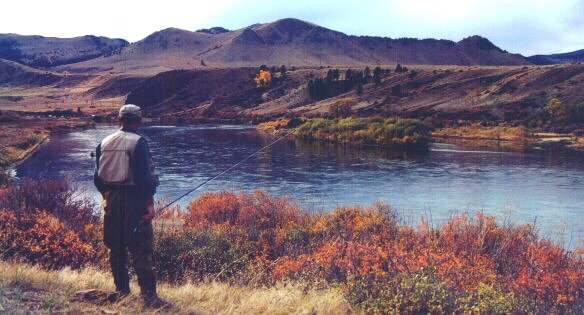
[[39, 51], [294, 43], [571, 57]]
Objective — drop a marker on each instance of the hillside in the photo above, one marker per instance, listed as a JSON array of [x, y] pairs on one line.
[[39, 51], [294, 43], [571, 57], [491, 93], [15, 74]]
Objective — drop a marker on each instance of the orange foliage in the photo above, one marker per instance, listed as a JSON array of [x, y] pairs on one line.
[[465, 253], [41, 238], [263, 79]]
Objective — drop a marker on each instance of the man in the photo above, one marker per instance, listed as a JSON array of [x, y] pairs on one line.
[[124, 175]]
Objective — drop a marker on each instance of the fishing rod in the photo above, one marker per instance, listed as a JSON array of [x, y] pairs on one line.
[[226, 170]]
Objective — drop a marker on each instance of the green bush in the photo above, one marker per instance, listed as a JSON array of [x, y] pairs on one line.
[[371, 131], [423, 293], [180, 256]]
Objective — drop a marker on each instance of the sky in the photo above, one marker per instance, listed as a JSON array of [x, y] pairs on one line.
[[519, 26]]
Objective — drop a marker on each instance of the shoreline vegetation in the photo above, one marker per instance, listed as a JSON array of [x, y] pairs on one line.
[[382, 132], [350, 130], [251, 251]]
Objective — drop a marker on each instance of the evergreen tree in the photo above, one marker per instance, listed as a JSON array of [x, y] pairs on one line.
[[367, 75], [336, 74], [399, 68], [377, 75]]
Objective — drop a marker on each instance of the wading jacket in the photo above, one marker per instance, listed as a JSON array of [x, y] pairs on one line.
[[123, 161]]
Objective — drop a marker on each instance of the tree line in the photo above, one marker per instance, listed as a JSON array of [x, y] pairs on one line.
[[335, 82]]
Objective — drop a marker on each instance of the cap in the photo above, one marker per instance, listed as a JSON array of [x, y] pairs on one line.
[[130, 110]]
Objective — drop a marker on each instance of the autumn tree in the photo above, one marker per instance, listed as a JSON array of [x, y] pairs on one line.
[[263, 79]]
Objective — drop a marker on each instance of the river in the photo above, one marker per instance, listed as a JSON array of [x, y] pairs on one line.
[[448, 179]]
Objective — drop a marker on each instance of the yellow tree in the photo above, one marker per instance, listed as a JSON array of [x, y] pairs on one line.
[[263, 79]]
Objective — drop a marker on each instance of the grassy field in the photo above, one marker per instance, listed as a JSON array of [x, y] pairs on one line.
[[27, 288]]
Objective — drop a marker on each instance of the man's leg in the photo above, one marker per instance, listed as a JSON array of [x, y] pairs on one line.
[[142, 251], [113, 237], [118, 259]]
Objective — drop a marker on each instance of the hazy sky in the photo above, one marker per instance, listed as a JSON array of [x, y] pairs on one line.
[[522, 26]]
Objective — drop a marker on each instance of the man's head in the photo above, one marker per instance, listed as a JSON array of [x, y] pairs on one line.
[[130, 116]]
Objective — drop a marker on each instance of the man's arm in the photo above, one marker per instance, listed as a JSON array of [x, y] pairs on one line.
[[144, 180], [96, 180]]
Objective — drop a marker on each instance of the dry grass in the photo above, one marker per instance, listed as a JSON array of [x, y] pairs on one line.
[[54, 290], [479, 132]]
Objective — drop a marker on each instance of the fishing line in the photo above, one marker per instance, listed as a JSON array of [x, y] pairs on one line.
[[225, 170]]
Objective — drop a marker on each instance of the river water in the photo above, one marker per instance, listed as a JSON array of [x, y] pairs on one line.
[[448, 179]]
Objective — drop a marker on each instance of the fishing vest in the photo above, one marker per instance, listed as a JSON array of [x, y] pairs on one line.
[[117, 150]]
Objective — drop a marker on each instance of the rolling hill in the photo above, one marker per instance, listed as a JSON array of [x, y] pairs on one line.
[[39, 51], [491, 93]]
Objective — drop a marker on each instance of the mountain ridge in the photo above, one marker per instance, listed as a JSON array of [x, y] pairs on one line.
[[551, 59], [291, 42]]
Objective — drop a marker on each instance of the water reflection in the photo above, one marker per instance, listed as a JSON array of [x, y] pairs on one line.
[[446, 179]]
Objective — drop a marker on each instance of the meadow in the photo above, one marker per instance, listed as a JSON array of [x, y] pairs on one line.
[[258, 247]]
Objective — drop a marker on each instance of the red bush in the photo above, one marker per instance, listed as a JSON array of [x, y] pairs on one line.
[[40, 238]]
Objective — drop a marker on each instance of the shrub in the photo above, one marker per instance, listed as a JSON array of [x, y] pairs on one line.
[[47, 222], [55, 197], [41, 238], [366, 131], [195, 255]]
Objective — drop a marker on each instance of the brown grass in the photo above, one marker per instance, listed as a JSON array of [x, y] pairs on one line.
[[54, 291], [479, 132]]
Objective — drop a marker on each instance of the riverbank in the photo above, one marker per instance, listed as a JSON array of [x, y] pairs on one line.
[[512, 137], [22, 136]]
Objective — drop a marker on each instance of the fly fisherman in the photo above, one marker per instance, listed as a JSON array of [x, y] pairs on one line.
[[124, 175]]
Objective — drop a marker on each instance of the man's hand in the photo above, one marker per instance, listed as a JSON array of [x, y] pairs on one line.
[[150, 213]]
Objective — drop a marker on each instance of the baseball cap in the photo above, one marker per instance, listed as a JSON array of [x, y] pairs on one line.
[[130, 110]]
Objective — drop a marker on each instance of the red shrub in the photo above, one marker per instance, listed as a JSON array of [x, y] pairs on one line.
[[40, 238]]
